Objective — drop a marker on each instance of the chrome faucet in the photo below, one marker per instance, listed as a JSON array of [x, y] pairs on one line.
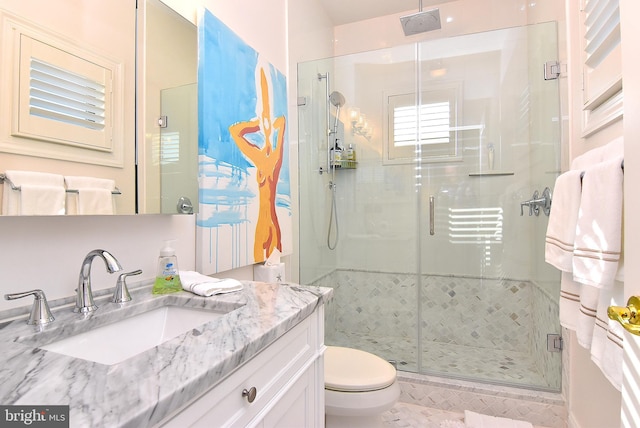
[[84, 299], [40, 313]]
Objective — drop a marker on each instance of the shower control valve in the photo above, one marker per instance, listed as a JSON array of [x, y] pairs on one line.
[[538, 202], [531, 203]]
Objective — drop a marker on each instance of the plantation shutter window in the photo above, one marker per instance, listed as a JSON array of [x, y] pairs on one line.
[[429, 122], [63, 98]]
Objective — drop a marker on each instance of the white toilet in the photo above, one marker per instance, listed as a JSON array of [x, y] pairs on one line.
[[358, 388]]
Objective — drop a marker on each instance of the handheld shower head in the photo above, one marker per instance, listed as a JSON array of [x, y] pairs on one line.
[[337, 99]]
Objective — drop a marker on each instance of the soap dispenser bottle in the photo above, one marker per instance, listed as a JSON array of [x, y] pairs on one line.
[[167, 275]]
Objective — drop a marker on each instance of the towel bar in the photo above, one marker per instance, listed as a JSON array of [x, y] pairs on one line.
[[3, 177], [621, 166]]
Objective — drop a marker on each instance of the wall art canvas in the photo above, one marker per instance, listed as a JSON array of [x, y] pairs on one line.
[[244, 178]]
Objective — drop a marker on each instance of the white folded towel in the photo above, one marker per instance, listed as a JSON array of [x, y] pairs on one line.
[[94, 195], [477, 420], [561, 229], [40, 194], [599, 229], [207, 286]]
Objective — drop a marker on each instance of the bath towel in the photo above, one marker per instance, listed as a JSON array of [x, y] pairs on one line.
[[561, 229], [89, 195], [588, 287], [586, 320], [207, 286], [569, 306], [40, 194], [607, 341], [477, 420], [599, 228]]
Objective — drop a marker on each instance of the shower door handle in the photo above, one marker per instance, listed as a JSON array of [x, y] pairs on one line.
[[432, 214]]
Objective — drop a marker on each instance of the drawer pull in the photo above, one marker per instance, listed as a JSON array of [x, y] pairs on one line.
[[250, 394]]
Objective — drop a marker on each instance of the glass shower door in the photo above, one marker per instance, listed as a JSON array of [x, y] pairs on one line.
[[488, 301], [460, 131], [373, 268]]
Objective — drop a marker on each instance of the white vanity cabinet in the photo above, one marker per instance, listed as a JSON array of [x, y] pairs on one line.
[[288, 378]]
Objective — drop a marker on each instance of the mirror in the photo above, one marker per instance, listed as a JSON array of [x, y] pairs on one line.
[[167, 125], [116, 138]]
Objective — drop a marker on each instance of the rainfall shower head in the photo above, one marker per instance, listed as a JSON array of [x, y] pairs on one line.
[[421, 22], [337, 99]]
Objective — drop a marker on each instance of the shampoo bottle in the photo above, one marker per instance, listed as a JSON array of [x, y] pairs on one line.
[[167, 276]]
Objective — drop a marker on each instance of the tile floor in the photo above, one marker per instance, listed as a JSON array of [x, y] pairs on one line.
[[405, 415]]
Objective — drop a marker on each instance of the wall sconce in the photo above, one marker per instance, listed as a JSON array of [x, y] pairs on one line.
[[438, 69], [359, 124]]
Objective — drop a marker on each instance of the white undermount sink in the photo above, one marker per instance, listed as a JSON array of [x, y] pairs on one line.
[[116, 342]]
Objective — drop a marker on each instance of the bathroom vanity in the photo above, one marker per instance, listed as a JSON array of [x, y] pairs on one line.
[[258, 362]]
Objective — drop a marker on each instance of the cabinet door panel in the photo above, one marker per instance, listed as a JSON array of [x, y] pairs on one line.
[[296, 407]]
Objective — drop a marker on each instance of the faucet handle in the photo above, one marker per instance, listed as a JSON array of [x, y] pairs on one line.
[[121, 293], [40, 313]]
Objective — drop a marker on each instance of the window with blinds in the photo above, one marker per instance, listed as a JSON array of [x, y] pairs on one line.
[[429, 122]]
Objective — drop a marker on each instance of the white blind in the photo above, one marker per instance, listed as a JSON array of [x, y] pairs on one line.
[[434, 124], [62, 95], [602, 29], [475, 225], [169, 147]]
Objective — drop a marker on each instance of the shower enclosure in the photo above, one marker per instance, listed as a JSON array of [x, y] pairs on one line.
[[425, 234]]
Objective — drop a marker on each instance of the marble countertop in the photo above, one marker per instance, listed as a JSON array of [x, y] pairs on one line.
[[146, 388]]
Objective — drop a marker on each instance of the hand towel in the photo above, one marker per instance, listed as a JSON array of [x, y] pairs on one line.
[[207, 286], [599, 228], [477, 420], [94, 195], [42, 200], [40, 194], [561, 229]]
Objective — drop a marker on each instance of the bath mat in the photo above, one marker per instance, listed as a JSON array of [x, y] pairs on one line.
[[450, 423], [477, 420]]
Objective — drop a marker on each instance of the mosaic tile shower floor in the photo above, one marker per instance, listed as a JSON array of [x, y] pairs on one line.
[[492, 365]]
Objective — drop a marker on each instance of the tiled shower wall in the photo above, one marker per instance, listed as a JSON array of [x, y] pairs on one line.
[[474, 313]]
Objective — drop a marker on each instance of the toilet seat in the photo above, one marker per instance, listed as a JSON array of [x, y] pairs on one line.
[[352, 370]]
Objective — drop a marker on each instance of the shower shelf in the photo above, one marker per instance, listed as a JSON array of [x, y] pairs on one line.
[[490, 173], [345, 164]]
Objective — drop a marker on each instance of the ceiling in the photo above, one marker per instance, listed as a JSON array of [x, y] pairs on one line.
[[347, 11]]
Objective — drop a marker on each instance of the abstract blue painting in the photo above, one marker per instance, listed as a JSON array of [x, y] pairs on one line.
[[244, 176]]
